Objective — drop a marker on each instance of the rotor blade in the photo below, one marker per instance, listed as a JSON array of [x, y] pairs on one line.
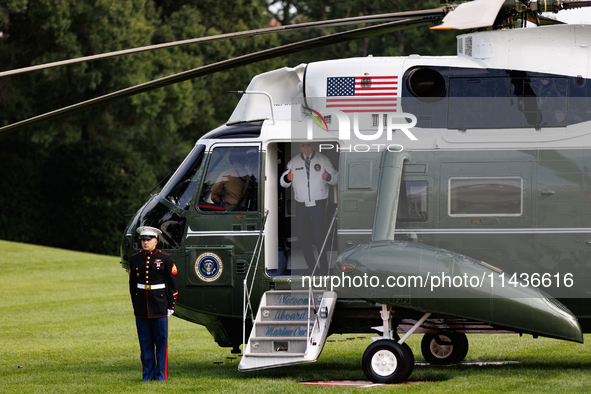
[[472, 15], [569, 5], [313, 43], [436, 12]]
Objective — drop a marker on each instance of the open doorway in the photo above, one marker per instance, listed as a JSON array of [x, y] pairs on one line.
[[304, 199]]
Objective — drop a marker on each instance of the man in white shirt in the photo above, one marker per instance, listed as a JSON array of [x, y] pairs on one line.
[[310, 173]]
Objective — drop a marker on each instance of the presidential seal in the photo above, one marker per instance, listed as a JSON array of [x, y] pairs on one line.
[[208, 267]]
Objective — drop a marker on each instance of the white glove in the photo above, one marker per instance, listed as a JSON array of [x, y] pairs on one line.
[[170, 312]]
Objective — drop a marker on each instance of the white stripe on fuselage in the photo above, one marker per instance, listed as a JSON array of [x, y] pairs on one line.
[[191, 233], [576, 230]]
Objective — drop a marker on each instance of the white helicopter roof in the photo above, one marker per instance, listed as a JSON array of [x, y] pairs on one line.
[[558, 49]]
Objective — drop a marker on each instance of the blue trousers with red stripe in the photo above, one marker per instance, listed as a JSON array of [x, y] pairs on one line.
[[153, 335]]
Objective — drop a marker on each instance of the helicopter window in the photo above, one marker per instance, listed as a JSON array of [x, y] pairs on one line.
[[172, 224], [426, 84], [179, 189], [516, 100], [412, 202], [498, 196], [231, 182]]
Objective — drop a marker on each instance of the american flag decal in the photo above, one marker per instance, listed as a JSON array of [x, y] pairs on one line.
[[362, 94]]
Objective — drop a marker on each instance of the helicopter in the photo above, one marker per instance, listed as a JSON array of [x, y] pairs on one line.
[[461, 204]]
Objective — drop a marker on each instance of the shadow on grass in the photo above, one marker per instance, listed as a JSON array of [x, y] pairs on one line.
[[124, 375], [350, 371]]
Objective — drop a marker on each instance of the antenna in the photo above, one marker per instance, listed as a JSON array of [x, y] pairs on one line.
[[259, 92]]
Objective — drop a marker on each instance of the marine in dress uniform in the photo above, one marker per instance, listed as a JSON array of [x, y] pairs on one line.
[[153, 285], [310, 173]]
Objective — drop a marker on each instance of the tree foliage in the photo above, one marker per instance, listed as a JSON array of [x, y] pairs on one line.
[[70, 182], [156, 128], [87, 207], [41, 31]]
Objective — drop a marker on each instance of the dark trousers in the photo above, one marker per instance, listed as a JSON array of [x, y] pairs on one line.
[[153, 334], [310, 231]]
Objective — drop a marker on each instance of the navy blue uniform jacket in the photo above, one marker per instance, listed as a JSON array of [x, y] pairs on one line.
[[148, 269]]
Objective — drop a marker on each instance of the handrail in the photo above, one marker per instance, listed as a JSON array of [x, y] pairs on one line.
[[333, 220], [258, 245], [259, 92], [311, 299], [246, 295]]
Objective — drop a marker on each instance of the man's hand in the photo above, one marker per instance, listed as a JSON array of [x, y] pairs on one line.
[[325, 175], [170, 312], [289, 175]]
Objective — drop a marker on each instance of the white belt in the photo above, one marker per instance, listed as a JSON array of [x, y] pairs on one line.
[[151, 287]]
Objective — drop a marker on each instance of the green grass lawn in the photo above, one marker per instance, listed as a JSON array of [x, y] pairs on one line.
[[67, 326]]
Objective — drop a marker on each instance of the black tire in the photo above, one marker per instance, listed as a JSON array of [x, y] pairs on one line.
[[386, 361], [444, 348]]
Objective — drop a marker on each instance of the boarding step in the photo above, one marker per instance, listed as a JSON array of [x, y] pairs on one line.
[[291, 297], [290, 329], [286, 313], [287, 330], [277, 347]]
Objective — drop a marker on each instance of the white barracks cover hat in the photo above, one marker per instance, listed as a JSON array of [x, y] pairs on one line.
[[148, 232]]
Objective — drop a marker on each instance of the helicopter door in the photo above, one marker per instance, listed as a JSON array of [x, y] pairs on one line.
[[222, 235], [284, 242]]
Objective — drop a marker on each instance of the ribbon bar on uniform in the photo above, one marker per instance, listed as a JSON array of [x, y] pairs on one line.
[[151, 287]]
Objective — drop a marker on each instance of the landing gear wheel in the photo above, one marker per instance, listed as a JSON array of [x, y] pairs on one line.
[[444, 348], [387, 361]]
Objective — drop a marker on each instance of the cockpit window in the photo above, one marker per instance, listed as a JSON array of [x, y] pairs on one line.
[[231, 182], [179, 189]]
